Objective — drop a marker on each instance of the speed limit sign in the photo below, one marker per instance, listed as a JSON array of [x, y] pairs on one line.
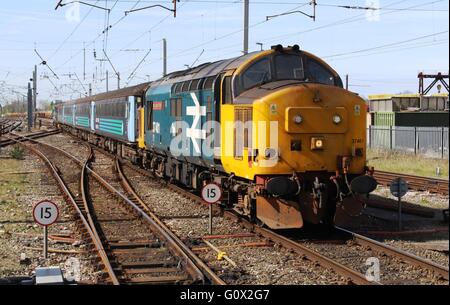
[[211, 193], [45, 213]]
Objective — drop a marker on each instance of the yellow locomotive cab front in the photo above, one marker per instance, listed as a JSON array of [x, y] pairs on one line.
[[315, 125], [294, 139], [308, 134]]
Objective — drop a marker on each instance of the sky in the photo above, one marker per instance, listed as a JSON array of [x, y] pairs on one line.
[[381, 50]]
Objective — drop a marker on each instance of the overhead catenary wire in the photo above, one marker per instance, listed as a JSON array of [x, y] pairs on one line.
[[93, 40], [132, 75], [356, 18], [255, 25], [385, 45], [44, 63], [339, 22], [73, 32], [346, 20], [354, 7], [411, 47], [179, 53]]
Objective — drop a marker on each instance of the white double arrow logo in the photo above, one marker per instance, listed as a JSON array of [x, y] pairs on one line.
[[196, 133]]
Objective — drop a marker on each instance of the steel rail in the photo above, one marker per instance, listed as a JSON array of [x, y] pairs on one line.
[[84, 195], [11, 127], [411, 258], [178, 244], [352, 276], [6, 142], [417, 183], [69, 197], [192, 269], [6, 125]]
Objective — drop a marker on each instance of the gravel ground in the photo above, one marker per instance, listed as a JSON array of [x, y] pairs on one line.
[[22, 184], [425, 199], [69, 144], [392, 269], [438, 257], [255, 265]]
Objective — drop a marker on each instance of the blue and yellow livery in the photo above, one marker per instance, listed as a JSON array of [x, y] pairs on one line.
[[276, 129]]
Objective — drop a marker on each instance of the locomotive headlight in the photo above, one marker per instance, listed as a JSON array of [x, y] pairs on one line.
[[337, 119], [317, 143], [298, 119]]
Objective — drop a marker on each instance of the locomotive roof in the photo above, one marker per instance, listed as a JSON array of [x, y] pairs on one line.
[[124, 92], [205, 70]]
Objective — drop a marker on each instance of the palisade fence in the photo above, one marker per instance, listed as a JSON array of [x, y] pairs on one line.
[[428, 141]]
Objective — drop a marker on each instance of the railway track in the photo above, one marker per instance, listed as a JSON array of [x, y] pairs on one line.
[[36, 135], [350, 266], [407, 262], [409, 268], [67, 173], [417, 183], [9, 126], [395, 266], [124, 256]]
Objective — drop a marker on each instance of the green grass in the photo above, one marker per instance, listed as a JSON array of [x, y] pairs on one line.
[[11, 186], [405, 163], [17, 152]]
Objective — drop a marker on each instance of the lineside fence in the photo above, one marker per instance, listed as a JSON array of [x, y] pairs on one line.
[[428, 141]]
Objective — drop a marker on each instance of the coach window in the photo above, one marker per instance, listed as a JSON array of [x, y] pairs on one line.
[[185, 86], [174, 88], [227, 97], [320, 74], [194, 85], [113, 109], [139, 101], [257, 74], [178, 88], [208, 83]]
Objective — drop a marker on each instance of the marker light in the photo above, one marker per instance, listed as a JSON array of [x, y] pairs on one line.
[[298, 119], [337, 119], [317, 143]]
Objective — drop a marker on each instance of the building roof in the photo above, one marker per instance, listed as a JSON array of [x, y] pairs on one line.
[[374, 97]]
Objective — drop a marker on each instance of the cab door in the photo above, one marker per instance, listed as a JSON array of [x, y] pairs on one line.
[[236, 121], [140, 122]]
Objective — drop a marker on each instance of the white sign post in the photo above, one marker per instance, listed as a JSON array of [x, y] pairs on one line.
[[399, 188], [211, 194], [45, 213]]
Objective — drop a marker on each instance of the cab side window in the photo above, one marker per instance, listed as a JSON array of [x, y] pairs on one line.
[[257, 74]]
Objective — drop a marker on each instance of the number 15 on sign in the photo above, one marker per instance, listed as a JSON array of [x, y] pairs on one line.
[[211, 193]]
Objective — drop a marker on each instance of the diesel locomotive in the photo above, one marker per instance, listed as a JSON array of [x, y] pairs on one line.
[[275, 129]]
